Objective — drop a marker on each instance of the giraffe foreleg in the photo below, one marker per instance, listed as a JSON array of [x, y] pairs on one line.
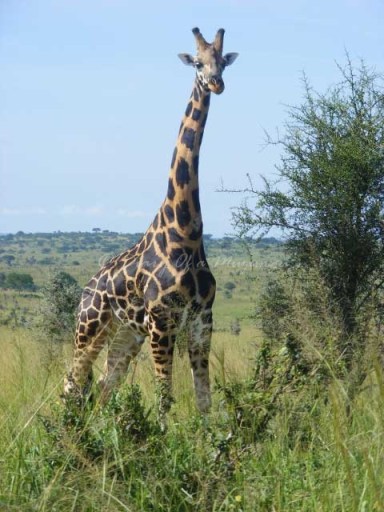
[[89, 340], [198, 349], [162, 346]]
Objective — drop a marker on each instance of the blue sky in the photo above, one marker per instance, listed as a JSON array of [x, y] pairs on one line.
[[92, 93]]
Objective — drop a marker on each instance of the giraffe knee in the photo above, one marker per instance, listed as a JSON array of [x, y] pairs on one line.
[[73, 386], [70, 386]]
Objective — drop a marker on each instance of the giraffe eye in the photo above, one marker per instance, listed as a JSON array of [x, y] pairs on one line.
[[198, 65]]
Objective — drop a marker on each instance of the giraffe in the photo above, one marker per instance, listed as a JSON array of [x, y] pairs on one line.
[[163, 284]]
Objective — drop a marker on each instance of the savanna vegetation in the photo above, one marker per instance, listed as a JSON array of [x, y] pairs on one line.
[[297, 354]]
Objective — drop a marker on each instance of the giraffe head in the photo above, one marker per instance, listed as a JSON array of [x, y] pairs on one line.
[[209, 61]]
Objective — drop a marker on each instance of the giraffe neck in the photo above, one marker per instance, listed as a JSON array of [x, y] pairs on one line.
[[181, 208]]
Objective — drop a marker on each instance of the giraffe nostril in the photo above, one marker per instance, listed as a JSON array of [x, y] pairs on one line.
[[216, 81]]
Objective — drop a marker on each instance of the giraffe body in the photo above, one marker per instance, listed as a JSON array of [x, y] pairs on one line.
[[163, 284]]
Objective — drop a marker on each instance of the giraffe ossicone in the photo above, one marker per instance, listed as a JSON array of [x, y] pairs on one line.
[[163, 284]]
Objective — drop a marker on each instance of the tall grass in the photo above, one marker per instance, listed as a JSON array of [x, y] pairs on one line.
[[318, 452]]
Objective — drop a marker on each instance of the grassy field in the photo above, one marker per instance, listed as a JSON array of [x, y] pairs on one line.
[[318, 452]]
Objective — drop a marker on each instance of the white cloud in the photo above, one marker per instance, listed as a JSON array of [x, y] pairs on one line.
[[94, 210], [71, 209], [131, 213], [23, 211]]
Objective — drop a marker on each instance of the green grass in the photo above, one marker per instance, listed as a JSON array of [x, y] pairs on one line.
[[310, 459], [318, 452]]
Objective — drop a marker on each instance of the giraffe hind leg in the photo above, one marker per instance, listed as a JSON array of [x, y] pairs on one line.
[[122, 349]]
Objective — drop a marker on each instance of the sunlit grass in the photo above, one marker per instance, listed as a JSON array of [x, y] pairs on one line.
[[339, 465], [319, 453]]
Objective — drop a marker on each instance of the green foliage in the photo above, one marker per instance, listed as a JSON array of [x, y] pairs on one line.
[[61, 296], [296, 361], [9, 259], [235, 327], [281, 373], [17, 281], [332, 204], [229, 285], [47, 261], [274, 308], [284, 433], [100, 431], [185, 468], [274, 441]]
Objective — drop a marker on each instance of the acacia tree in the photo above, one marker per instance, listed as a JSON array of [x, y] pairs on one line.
[[329, 199]]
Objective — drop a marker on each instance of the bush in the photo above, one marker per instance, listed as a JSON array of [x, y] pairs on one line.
[[192, 464], [48, 260], [296, 361], [9, 259], [235, 327], [18, 281], [61, 296]]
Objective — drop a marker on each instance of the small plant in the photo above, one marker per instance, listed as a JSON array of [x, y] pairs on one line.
[[230, 286], [236, 327], [132, 419]]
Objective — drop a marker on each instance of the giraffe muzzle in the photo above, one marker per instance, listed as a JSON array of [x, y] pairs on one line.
[[216, 84]]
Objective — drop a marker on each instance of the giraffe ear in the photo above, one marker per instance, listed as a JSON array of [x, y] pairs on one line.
[[186, 59], [229, 58]]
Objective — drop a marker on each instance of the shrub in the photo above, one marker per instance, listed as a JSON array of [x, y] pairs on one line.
[[61, 296], [235, 327], [18, 281], [9, 259]]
